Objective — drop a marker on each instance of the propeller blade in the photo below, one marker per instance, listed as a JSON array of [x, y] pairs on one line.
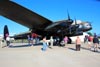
[[75, 22], [68, 15], [69, 21]]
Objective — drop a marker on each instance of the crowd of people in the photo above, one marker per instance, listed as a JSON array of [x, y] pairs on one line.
[[91, 41], [33, 39]]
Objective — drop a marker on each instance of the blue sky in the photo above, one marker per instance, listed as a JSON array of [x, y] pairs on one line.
[[85, 10]]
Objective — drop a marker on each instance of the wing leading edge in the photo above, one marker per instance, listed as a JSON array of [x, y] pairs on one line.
[[23, 16]]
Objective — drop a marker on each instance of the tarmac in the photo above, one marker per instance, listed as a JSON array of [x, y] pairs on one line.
[[23, 55]]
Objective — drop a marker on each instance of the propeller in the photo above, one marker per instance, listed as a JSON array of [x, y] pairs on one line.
[[76, 25], [70, 21], [75, 22], [68, 25], [68, 15]]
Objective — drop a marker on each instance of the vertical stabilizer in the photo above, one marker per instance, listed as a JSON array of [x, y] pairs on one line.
[[6, 31]]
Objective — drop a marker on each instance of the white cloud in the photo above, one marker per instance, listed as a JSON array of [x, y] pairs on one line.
[[77, 21]]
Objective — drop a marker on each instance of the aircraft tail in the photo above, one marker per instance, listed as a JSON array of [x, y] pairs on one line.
[[6, 32]]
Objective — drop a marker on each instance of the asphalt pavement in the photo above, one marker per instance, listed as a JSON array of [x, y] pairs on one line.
[[24, 55]]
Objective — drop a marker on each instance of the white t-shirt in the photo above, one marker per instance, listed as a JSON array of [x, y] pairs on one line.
[[8, 38]]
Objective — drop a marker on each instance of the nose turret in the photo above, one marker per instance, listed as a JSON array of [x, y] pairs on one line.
[[87, 26]]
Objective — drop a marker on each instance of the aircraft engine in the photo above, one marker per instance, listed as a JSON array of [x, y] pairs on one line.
[[78, 33]]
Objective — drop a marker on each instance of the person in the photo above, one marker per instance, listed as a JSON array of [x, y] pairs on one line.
[[44, 44], [69, 40], [8, 40], [65, 40], [85, 39], [56, 41], [1, 42], [62, 43], [90, 40], [34, 38], [95, 43], [51, 41], [78, 43], [37, 40], [29, 39]]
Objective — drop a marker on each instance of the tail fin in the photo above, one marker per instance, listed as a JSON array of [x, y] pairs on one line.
[[6, 31]]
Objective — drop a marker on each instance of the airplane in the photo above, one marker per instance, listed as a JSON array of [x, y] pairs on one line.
[[40, 25]]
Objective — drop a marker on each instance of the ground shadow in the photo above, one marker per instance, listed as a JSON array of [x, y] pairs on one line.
[[90, 50], [72, 49], [18, 46], [95, 51], [85, 48], [38, 44], [24, 45]]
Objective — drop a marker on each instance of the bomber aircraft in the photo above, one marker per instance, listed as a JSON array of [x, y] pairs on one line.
[[39, 24]]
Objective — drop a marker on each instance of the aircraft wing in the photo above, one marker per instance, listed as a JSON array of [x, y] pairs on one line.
[[38, 24], [23, 15], [22, 35]]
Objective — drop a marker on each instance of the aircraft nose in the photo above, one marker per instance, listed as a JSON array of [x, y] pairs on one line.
[[88, 26]]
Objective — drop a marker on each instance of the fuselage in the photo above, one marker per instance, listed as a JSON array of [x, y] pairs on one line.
[[84, 26]]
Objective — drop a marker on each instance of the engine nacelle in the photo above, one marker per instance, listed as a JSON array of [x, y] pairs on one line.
[[78, 33]]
